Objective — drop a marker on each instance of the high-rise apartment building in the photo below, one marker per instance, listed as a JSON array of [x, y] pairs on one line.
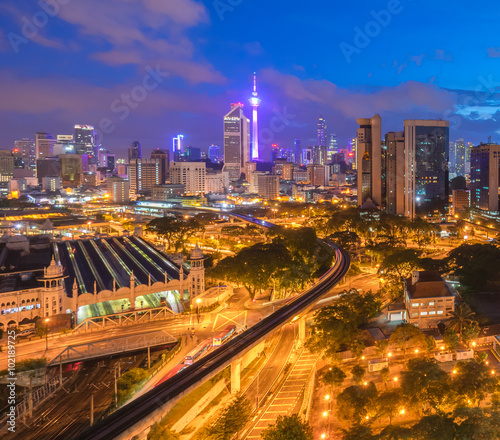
[[459, 158], [321, 131], [297, 149], [6, 165], [191, 175], [395, 173], [353, 146], [144, 174], [369, 160], [118, 189], [135, 151], [86, 142], [268, 186], [164, 158], [426, 166], [71, 170], [484, 177], [44, 145], [320, 155], [318, 175], [26, 147], [236, 142]]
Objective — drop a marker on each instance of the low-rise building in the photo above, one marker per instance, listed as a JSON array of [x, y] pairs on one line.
[[428, 299]]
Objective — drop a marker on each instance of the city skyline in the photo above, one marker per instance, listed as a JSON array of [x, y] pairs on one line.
[[191, 83]]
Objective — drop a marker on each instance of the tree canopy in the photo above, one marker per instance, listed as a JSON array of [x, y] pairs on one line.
[[288, 428]]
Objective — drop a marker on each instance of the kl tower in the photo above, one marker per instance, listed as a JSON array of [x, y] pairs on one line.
[[255, 102]]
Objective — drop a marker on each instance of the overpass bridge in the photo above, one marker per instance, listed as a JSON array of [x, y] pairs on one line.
[[108, 347], [135, 419]]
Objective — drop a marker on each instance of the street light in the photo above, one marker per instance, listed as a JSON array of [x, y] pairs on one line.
[[47, 334]]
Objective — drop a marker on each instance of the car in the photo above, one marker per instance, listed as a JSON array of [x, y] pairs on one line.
[[26, 332]]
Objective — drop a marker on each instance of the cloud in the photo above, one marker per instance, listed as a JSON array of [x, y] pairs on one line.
[[410, 96], [254, 48], [493, 52], [442, 55]]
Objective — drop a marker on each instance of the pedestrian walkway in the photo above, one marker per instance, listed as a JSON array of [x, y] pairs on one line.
[[288, 399]]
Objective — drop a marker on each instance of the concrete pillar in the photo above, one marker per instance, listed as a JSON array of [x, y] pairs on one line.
[[132, 291], [302, 329], [236, 376]]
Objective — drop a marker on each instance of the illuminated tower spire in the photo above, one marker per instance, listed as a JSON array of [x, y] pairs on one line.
[[255, 102]]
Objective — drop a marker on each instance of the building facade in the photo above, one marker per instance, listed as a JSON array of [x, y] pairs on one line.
[[395, 173], [236, 142], [191, 175], [369, 160], [426, 166], [484, 177], [144, 174], [268, 186], [428, 299]]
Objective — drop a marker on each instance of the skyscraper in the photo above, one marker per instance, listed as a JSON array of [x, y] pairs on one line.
[[44, 145], [255, 102], [236, 142], [484, 177], [135, 151], [144, 174], [297, 149], [395, 173], [426, 166], [178, 146], [369, 160], [27, 149], [214, 153], [321, 131], [459, 158], [163, 157], [85, 142]]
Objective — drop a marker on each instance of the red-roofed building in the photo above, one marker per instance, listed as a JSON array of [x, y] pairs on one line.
[[428, 299]]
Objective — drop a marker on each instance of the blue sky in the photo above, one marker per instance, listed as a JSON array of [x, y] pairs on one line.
[[75, 60]]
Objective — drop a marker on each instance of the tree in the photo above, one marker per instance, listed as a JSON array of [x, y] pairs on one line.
[[396, 433], [472, 382], [476, 265], [384, 375], [233, 419], [357, 348], [175, 231], [358, 373], [338, 324], [398, 265], [406, 336], [470, 332], [450, 339], [460, 318], [356, 402], [477, 423], [381, 347], [159, 432], [435, 427], [389, 404], [333, 377], [129, 382], [424, 383], [359, 432], [288, 428]]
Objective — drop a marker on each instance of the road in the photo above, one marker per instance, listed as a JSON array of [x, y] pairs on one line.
[[176, 326], [287, 399]]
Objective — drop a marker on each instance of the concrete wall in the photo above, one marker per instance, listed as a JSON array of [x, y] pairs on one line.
[[199, 406]]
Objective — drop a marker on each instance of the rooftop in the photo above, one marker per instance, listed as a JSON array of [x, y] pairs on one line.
[[429, 284]]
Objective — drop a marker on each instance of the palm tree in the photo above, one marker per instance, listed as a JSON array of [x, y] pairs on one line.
[[462, 317]]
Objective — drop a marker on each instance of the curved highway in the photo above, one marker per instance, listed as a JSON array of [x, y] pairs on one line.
[[120, 424]]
